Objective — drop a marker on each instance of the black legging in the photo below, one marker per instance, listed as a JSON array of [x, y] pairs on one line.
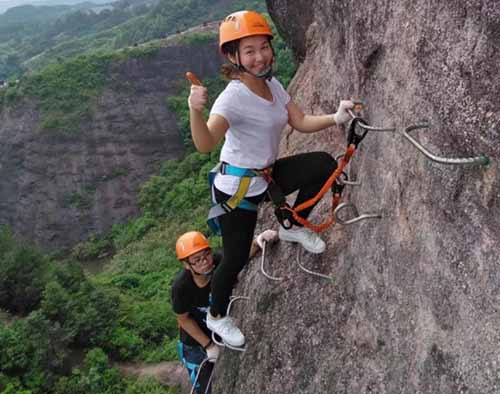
[[306, 172]]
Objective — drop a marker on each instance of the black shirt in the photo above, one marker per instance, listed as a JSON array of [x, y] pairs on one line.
[[187, 297]]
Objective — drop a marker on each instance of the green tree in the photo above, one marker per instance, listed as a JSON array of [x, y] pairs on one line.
[[23, 275], [86, 313], [96, 377], [35, 350]]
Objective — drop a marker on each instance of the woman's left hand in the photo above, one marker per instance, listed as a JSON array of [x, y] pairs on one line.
[[342, 115]]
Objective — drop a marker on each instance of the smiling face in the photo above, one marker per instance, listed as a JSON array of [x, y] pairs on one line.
[[255, 54], [201, 262]]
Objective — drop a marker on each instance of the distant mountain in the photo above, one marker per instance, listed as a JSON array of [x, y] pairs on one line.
[[29, 13], [26, 31], [32, 37], [6, 4]]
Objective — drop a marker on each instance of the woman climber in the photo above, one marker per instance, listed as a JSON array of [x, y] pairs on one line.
[[251, 113]]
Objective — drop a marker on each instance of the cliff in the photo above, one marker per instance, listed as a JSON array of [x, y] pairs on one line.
[[58, 189], [413, 304]]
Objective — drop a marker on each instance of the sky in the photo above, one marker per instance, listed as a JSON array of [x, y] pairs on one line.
[[6, 4]]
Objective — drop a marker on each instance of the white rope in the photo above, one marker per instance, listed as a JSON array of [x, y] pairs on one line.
[[262, 264]]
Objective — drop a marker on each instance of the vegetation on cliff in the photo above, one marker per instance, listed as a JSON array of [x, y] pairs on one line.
[[66, 92], [123, 313]]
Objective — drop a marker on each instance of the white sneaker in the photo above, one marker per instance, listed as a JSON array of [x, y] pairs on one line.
[[307, 238], [226, 329]]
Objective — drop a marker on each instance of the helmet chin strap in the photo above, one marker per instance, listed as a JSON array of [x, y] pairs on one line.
[[209, 273], [266, 74]]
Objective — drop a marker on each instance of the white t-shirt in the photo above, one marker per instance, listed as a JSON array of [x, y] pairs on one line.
[[255, 125]]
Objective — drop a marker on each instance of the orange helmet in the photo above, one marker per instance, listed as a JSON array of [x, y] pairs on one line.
[[190, 243], [243, 24]]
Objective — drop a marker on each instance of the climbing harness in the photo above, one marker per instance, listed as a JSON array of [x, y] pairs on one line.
[[222, 343], [192, 367], [336, 182], [235, 201], [353, 140], [238, 200], [195, 382]]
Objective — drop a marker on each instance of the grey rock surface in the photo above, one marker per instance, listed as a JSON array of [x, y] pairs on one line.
[[414, 303], [57, 190]]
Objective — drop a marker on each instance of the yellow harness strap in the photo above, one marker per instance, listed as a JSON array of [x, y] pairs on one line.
[[234, 201]]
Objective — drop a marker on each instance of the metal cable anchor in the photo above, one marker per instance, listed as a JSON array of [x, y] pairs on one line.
[[350, 183], [476, 160], [343, 178], [308, 270], [298, 261], [223, 344], [357, 217]]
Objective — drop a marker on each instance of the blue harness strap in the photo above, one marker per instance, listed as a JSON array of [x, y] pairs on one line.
[[235, 201], [191, 367], [228, 169]]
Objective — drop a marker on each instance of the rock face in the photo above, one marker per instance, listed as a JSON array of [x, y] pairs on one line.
[[57, 190], [414, 301]]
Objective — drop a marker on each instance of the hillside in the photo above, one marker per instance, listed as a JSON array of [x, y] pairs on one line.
[[78, 139]]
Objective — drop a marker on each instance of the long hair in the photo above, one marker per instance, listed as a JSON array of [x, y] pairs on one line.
[[228, 69]]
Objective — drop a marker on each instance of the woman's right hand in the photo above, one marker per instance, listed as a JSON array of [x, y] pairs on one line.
[[266, 236], [198, 98]]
